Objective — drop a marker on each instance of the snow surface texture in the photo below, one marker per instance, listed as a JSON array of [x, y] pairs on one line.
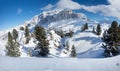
[[59, 64]]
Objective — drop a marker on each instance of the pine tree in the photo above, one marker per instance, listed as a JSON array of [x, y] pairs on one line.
[[114, 32], [110, 50], [111, 37], [15, 34], [93, 30], [12, 47], [73, 51], [27, 35], [26, 31], [114, 24], [42, 45], [98, 29], [86, 26]]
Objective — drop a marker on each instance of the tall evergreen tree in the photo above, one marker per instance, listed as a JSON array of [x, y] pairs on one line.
[[114, 32], [27, 35], [93, 30], [114, 24], [12, 47], [15, 34], [111, 37], [86, 25], [98, 29], [26, 31], [42, 45]]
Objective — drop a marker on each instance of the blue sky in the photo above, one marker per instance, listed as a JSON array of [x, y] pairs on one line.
[[16, 12]]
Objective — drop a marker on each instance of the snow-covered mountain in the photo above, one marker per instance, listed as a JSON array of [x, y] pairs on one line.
[[60, 21], [56, 22], [47, 19], [87, 45]]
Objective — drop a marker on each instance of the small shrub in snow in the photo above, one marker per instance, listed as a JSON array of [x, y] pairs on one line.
[[73, 51], [21, 28], [29, 52], [98, 29], [84, 27], [93, 30]]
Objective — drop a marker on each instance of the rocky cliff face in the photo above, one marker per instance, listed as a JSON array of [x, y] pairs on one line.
[[54, 16]]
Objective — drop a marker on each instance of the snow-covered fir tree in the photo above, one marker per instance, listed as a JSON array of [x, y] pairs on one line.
[[12, 47], [111, 37], [42, 46], [15, 34], [27, 34]]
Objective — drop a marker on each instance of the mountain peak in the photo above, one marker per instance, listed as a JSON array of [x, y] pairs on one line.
[[48, 17]]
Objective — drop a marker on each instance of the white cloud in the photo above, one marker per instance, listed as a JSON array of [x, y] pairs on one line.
[[19, 11], [63, 4], [67, 4], [107, 10], [114, 8], [48, 7], [115, 3]]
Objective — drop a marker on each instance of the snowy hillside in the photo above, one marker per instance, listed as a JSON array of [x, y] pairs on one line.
[[59, 25], [88, 45]]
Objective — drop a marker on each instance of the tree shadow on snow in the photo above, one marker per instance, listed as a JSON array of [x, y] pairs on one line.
[[92, 53], [93, 40]]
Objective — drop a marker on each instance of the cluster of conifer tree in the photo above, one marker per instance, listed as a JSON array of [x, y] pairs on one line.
[[111, 37], [12, 46]]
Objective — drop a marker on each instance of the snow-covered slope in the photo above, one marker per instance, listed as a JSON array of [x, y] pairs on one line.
[[87, 44], [48, 18], [57, 64]]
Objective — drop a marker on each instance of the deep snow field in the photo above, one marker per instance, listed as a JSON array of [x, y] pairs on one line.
[[59, 64]]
